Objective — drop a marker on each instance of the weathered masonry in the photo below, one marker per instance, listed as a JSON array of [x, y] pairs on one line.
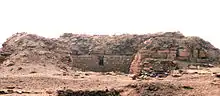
[[102, 53], [102, 63]]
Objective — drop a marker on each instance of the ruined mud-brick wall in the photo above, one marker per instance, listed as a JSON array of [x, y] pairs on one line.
[[94, 53], [173, 49], [190, 49], [102, 63], [106, 53], [103, 53]]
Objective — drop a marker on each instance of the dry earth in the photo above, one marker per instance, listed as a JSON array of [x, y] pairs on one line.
[[37, 84]]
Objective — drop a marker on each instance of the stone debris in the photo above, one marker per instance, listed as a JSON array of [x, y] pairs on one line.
[[49, 92], [10, 87], [158, 89], [3, 92], [208, 65], [187, 87], [69, 92], [176, 75], [157, 67], [217, 75], [133, 76], [10, 91]]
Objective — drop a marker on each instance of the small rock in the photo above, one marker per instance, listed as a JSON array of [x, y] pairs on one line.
[[3, 92], [195, 72], [11, 69], [49, 92], [192, 67], [134, 77], [132, 85], [11, 64], [76, 75], [19, 92], [19, 68], [161, 75], [10, 91], [214, 83], [26, 92], [210, 65], [10, 87], [108, 73], [217, 75], [35, 92], [188, 87], [153, 75], [160, 78], [86, 74], [65, 74], [32, 72], [176, 75]]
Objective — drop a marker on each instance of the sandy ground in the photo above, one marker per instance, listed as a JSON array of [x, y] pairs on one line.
[[36, 84]]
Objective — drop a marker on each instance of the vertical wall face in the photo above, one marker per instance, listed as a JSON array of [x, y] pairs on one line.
[[86, 62], [102, 63], [117, 63]]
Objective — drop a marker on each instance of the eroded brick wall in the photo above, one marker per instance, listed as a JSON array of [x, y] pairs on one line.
[[84, 51], [119, 63]]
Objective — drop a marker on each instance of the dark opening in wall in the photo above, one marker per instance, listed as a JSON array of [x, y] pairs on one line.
[[177, 52], [198, 53], [203, 57], [101, 60]]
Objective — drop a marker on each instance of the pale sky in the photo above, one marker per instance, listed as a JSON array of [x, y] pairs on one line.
[[51, 18]]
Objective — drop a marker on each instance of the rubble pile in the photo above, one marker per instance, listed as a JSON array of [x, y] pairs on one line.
[[69, 92], [159, 89], [157, 67], [34, 47], [30, 52], [164, 52], [104, 44]]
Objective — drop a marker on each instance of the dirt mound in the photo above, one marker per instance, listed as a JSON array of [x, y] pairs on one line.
[[159, 89], [27, 53], [156, 89]]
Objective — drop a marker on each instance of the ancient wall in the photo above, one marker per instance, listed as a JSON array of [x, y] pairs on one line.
[[85, 62], [108, 53], [102, 63], [117, 63]]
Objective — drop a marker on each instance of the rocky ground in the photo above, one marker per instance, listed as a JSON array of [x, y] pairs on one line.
[[196, 83]]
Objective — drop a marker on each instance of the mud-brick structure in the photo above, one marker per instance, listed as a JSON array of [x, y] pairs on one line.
[[102, 63], [101, 53], [175, 50]]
